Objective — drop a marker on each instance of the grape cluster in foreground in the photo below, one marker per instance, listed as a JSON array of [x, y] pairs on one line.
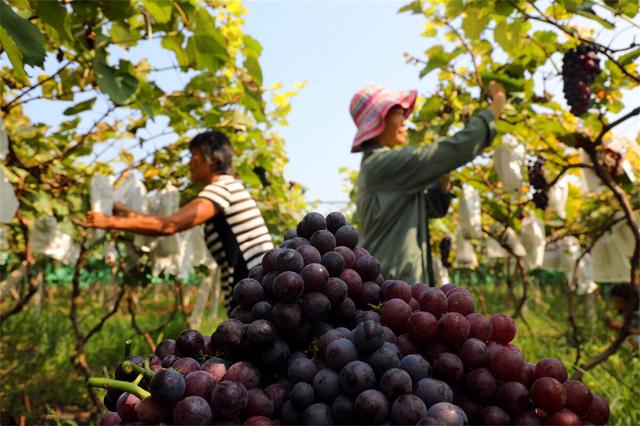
[[580, 67], [320, 337]]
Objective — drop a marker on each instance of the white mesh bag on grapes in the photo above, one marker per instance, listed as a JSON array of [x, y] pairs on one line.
[[508, 238], [8, 201], [133, 194], [558, 194], [167, 202], [589, 179], [441, 274], [532, 236], [47, 238], [110, 253], [470, 213], [4, 234], [101, 196], [610, 263], [494, 250], [508, 162], [4, 141], [586, 284], [465, 256]]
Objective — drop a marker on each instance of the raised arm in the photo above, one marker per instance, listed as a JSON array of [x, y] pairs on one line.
[[192, 214]]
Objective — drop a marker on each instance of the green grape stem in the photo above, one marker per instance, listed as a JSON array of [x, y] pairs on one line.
[[129, 367], [103, 382]]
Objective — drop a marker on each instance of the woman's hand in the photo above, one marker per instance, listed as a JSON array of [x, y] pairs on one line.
[[498, 98], [98, 220]]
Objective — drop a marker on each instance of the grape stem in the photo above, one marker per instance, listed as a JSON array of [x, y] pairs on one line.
[[129, 367], [103, 382]]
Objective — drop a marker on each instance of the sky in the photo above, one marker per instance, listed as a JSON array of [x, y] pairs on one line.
[[336, 47]]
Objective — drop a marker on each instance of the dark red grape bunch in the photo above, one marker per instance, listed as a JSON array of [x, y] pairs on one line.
[[320, 337], [445, 251], [537, 180], [580, 67]]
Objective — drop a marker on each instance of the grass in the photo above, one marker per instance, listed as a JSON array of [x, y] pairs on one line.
[[39, 382]]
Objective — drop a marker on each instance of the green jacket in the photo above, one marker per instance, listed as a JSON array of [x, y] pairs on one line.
[[393, 202]]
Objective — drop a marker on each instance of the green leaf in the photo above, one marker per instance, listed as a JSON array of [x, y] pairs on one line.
[[159, 9], [53, 14], [82, 106], [415, 7], [475, 21], [438, 58], [25, 35], [454, 8], [122, 35], [15, 56], [252, 47], [630, 8], [507, 35], [117, 83], [628, 58], [116, 10], [253, 66], [210, 47], [175, 44]]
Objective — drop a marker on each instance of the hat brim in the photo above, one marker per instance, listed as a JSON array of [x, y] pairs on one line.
[[406, 99]]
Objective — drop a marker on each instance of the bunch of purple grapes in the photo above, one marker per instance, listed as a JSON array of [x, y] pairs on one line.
[[580, 67], [538, 182], [319, 337], [445, 251]]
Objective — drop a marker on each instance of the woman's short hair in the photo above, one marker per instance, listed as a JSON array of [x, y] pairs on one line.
[[214, 146]]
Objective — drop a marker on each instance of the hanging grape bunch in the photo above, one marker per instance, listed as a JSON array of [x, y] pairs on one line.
[[538, 182], [580, 67], [445, 251], [319, 337]]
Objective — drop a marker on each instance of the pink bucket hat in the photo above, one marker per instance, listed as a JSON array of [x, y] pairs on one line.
[[370, 105]]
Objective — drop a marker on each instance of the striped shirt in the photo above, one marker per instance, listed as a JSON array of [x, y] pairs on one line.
[[237, 236]]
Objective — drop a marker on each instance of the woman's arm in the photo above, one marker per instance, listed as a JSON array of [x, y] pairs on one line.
[[194, 213]]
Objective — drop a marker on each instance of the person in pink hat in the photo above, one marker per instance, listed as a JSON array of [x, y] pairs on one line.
[[399, 188]]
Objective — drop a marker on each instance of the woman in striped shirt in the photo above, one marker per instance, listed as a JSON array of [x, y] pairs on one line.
[[235, 230]]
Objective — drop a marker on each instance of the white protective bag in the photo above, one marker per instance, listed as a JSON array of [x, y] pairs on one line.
[[532, 236], [441, 274], [589, 179], [192, 252], [47, 238], [4, 140], [8, 201], [508, 162], [133, 194], [4, 241], [494, 250], [558, 195], [165, 203], [470, 213], [585, 284], [465, 256], [110, 253], [509, 238], [101, 195], [611, 257]]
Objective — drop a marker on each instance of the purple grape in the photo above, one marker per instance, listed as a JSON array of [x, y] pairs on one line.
[[192, 410], [229, 398]]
